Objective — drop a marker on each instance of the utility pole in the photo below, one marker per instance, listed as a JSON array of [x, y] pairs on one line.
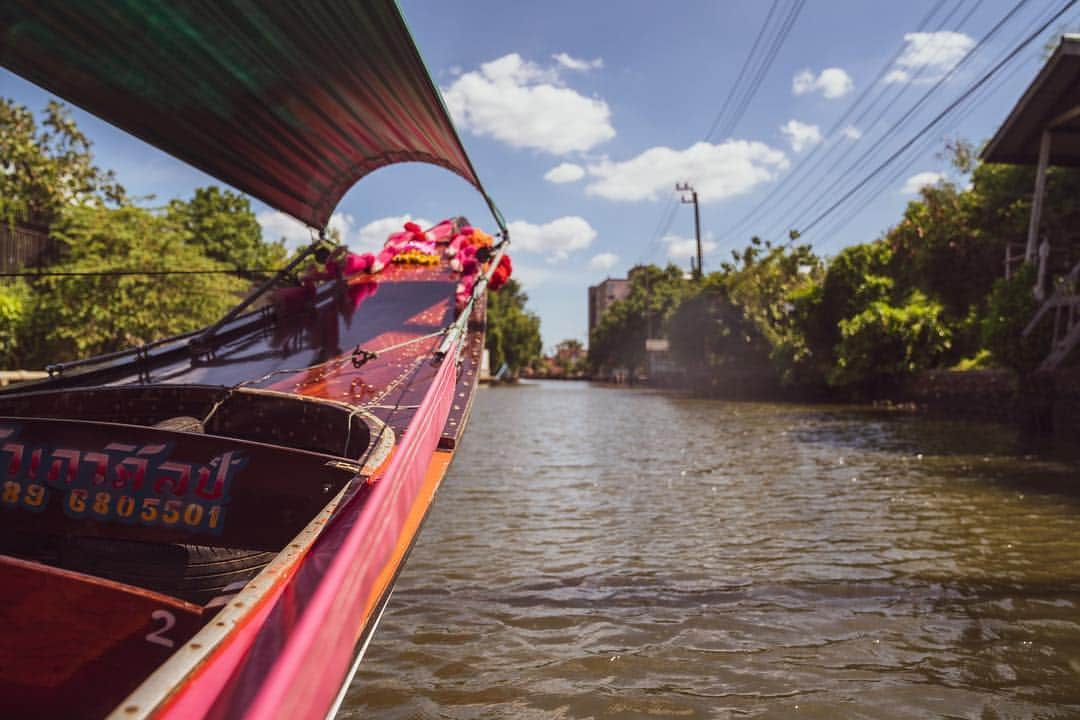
[[686, 187]]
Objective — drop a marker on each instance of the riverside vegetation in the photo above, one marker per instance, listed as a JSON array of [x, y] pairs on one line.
[[48, 178], [929, 293]]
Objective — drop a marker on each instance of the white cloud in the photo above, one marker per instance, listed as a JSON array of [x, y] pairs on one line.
[[603, 261], [372, 236], [565, 173], [524, 105], [937, 52], [921, 180], [832, 82], [559, 237], [530, 276], [851, 132], [716, 171], [897, 76], [680, 248], [277, 225], [572, 63], [801, 135]]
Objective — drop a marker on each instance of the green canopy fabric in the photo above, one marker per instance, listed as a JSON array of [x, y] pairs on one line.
[[291, 102]]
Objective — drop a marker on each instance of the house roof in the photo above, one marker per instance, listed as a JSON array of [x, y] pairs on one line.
[[1052, 101]]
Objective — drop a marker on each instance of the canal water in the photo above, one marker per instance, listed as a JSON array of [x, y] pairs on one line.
[[618, 553]]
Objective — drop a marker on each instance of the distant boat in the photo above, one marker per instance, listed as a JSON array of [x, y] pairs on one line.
[[211, 525]]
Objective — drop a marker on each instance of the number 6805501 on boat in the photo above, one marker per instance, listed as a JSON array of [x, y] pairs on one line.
[[209, 525]]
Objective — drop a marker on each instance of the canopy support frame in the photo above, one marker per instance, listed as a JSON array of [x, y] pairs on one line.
[[204, 341]]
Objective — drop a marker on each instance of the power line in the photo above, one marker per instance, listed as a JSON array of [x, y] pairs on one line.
[[817, 196], [778, 41], [124, 273], [742, 71], [742, 103], [938, 118], [806, 161], [814, 197], [984, 94]]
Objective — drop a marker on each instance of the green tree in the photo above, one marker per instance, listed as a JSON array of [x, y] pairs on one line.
[[45, 168], [513, 333], [15, 306], [75, 316], [762, 278], [569, 356], [883, 341], [223, 226], [619, 337], [741, 318], [1010, 308], [710, 335]]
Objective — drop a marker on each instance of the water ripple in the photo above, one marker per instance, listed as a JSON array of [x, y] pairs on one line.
[[601, 552]]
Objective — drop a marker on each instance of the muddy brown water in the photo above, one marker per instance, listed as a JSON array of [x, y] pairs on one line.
[[619, 553]]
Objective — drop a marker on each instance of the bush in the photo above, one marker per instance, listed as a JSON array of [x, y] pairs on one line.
[[14, 313], [885, 341], [1010, 307]]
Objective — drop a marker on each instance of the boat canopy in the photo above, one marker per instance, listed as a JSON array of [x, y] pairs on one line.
[[291, 102]]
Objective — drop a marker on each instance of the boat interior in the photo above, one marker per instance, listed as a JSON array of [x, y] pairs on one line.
[[167, 501]]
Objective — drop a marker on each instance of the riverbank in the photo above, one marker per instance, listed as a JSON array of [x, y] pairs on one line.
[[1046, 404]]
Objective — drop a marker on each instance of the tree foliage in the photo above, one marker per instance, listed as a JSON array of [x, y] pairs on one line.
[[223, 226], [619, 338], [739, 320], [14, 314], [513, 333], [76, 316], [46, 167], [710, 333], [927, 293], [884, 342], [48, 176], [569, 357], [1010, 308]]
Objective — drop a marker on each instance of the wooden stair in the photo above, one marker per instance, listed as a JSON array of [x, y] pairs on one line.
[[1065, 303]]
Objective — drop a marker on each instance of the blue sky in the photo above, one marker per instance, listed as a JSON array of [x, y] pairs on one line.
[[580, 117]]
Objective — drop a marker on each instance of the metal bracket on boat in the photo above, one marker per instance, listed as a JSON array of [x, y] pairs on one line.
[[142, 363], [203, 342], [360, 357]]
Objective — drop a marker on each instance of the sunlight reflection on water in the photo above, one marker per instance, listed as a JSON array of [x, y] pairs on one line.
[[600, 552]]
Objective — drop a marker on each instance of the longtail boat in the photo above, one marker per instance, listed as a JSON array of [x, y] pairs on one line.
[[210, 525]]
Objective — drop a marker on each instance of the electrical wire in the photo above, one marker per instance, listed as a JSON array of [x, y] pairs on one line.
[[815, 196], [811, 190], [778, 41], [982, 96], [806, 161], [742, 99], [126, 273], [742, 71], [938, 118]]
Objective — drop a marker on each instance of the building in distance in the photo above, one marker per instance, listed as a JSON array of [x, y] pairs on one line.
[[604, 295]]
